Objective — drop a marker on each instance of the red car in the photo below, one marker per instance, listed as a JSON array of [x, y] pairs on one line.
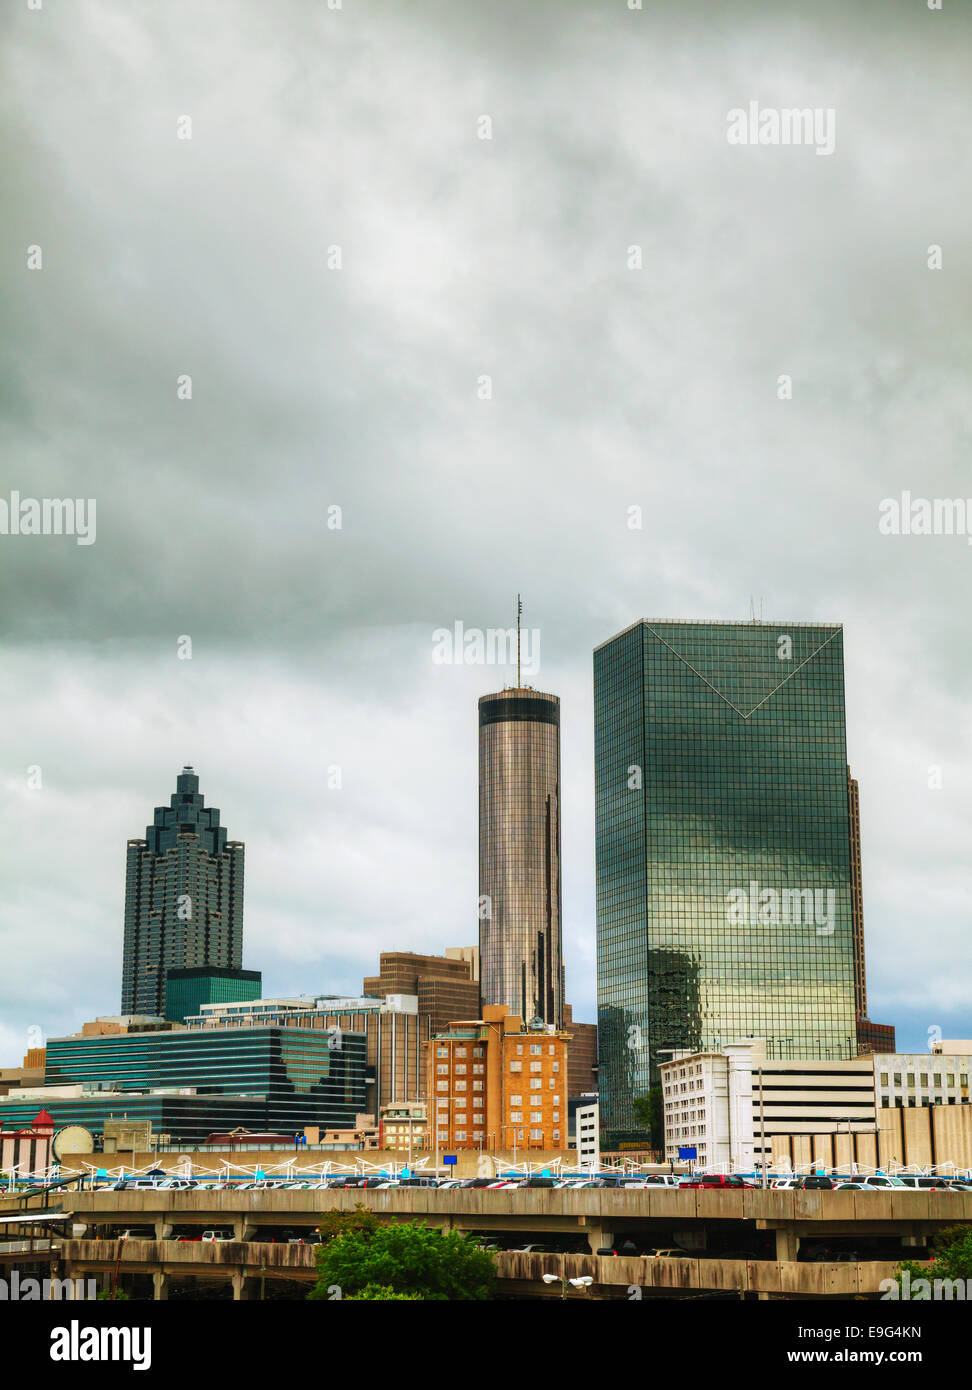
[[716, 1180]]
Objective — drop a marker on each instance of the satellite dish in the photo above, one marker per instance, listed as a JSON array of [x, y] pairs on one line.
[[73, 1139]]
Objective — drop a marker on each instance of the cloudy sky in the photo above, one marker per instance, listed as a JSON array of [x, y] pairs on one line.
[[484, 386]]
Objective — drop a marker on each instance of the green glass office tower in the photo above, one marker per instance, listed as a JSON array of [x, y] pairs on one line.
[[183, 898], [187, 990], [723, 859]]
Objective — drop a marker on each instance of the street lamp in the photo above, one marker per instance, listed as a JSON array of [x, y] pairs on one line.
[[583, 1281]]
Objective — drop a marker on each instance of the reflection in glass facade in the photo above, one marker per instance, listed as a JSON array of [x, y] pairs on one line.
[[298, 1077], [723, 864], [520, 953]]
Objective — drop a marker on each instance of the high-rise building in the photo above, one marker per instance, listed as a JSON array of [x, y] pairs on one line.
[[520, 950], [582, 1076], [445, 986], [857, 893], [183, 898], [871, 1037], [495, 1083], [722, 846]]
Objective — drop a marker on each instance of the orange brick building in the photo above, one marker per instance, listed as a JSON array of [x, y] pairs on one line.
[[494, 1084]]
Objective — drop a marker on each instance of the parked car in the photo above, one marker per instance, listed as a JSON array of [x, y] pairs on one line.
[[717, 1180], [532, 1249], [216, 1236], [784, 1184], [671, 1252], [852, 1187]]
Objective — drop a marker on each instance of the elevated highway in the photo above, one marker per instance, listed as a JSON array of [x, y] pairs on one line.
[[750, 1242]]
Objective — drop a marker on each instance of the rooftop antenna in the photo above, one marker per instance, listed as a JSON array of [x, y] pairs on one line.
[[519, 610]]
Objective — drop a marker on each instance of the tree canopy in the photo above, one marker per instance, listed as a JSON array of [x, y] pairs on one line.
[[364, 1258]]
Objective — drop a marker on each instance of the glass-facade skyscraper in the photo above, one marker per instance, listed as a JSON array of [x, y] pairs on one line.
[[520, 939], [183, 898], [722, 847]]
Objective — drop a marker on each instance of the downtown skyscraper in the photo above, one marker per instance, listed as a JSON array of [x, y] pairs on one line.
[[724, 876], [520, 935], [183, 898]]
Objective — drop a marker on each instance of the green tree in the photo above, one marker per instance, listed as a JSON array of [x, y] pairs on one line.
[[951, 1257], [113, 1295], [338, 1223], [383, 1292], [407, 1258]]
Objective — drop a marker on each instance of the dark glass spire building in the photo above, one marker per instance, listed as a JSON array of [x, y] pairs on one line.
[[724, 878], [183, 898], [520, 953]]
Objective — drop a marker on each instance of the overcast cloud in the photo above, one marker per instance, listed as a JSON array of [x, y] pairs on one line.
[[360, 387]]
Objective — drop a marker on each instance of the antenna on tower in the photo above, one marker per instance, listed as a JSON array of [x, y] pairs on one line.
[[519, 610]]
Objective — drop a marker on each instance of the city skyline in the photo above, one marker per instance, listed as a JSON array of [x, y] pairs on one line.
[[550, 360], [308, 982]]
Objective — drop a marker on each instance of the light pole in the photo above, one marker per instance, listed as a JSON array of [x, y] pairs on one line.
[[582, 1282]]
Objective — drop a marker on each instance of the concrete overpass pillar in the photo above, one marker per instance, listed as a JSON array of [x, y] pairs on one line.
[[598, 1239], [160, 1287], [787, 1243], [243, 1229], [163, 1229], [240, 1289]]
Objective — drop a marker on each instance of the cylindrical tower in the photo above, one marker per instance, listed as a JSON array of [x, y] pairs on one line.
[[520, 948]]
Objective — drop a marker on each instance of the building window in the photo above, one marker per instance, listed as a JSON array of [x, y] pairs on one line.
[[516, 1066]]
